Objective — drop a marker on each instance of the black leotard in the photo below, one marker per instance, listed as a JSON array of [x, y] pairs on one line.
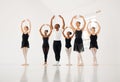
[[67, 42], [25, 42], [93, 41], [45, 42]]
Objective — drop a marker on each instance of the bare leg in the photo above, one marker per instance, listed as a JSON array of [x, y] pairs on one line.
[[95, 50], [80, 60], [23, 55], [25, 50], [68, 51], [94, 56]]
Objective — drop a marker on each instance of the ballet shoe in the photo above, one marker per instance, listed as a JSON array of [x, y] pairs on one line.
[[57, 64], [95, 64], [45, 64], [80, 64], [25, 64], [69, 64]]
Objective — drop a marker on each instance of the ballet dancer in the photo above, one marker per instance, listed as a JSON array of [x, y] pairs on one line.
[[93, 40], [25, 43], [78, 42], [57, 39], [68, 46], [45, 45]]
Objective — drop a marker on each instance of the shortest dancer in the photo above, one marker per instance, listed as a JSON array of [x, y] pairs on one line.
[[45, 45], [68, 36], [93, 41]]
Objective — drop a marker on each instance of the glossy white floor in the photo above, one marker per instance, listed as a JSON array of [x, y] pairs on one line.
[[101, 73], [40, 12]]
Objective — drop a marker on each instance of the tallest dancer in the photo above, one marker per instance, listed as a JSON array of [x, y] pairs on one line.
[[57, 38], [78, 43]]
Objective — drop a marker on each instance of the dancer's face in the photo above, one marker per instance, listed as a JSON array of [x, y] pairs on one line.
[[26, 28], [78, 24], [46, 32], [57, 26], [68, 34], [93, 29]]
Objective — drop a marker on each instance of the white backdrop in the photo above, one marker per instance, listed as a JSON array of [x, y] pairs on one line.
[[40, 12]]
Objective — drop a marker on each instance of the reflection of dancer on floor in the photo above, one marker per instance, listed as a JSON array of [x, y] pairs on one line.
[[45, 75], [57, 77], [24, 76], [80, 75], [68, 77], [57, 38], [68, 38], [25, 43], [94, 74], [78, 43], [93, 41], [45, 45]]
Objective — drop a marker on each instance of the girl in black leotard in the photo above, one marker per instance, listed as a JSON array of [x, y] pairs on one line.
[[93, 41], [68, 38], [78, 43], [25, 43], [45, 45]]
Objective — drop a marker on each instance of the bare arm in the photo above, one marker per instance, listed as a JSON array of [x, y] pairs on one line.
[[84, 22], [41, 30], [62, 21], [50, 30], [88, 28], [98, 28], [71, 23], [63, 33], [29, 25], [22, 26], [51, 22], [73, 34]]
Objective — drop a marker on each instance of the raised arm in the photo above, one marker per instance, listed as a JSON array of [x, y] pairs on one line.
[[40, 30], [51, 22], [63, 32], [84, 25], [98, 28], [88, 28], [73, 33], [71, 23], [63, 26], [22, 26], [29, 25], [50, 30]]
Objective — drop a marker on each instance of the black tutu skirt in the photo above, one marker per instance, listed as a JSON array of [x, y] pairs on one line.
[[25, 44], [93, 45], [78, 47]]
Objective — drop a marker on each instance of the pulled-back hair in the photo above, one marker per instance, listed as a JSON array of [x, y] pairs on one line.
[[27, 27], [93, 28], [69, 32], [46, 30], [78, 22], [57, 25]]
